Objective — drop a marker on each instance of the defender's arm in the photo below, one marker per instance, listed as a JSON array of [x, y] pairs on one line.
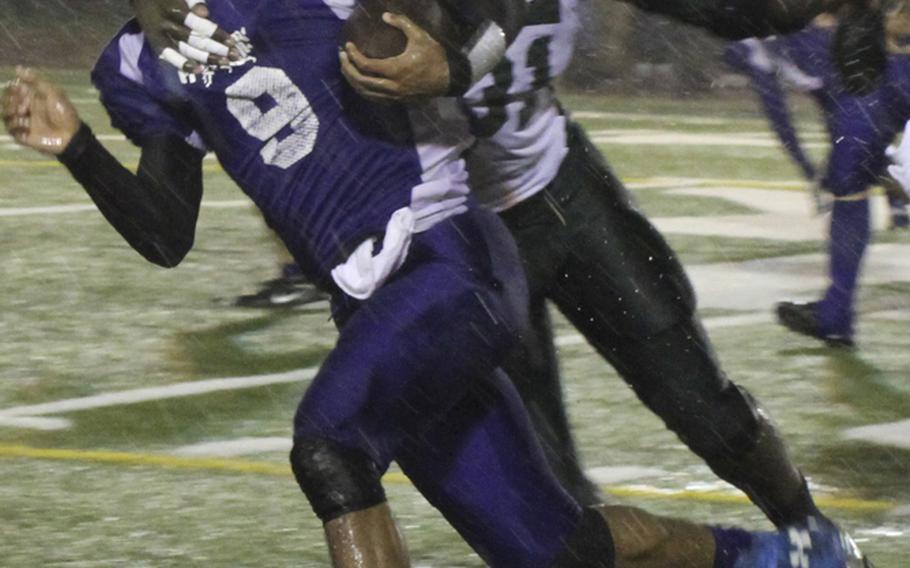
[[859, 44]]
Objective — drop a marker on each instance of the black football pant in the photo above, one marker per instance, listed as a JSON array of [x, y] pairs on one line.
[[587, 248]]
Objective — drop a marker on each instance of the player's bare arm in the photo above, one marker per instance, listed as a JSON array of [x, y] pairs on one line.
[[182, 34], [154, 210], [428, 67]]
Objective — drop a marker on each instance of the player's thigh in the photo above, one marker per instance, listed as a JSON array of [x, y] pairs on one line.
[[483, 468], [410, 351], [619, 275], [857, 155], [532, 363]]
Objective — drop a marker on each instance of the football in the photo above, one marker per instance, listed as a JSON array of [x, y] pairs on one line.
[[365, 28]]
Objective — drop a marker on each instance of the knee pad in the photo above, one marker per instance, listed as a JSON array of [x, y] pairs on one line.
[[336, 480]]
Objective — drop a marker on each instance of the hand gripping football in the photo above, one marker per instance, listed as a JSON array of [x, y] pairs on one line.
[[365, 28]]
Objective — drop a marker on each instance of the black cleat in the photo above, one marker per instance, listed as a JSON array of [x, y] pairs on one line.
[[285, 292], [801, 318]]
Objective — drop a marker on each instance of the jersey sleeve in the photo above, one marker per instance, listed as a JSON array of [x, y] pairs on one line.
[[122, 76]]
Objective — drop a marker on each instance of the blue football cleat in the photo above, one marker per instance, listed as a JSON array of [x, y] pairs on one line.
[[817, 543]]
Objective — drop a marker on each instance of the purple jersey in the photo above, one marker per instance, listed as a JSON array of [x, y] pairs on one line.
[[871, 120], [327, 168], [810, 49]]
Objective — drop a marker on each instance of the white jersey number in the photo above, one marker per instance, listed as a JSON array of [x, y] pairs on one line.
[[287, 109]]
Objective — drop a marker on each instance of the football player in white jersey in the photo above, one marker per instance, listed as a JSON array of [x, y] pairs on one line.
[[588, 249]]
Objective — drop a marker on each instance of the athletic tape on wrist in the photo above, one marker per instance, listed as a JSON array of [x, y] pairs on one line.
[[486, 50], [201, 26], [172, 57]]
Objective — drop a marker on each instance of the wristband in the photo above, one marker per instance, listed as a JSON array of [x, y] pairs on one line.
[[77, 146], [486, 50], [481, 54]]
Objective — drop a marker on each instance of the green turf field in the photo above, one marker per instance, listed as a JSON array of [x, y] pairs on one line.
[[124, 480]]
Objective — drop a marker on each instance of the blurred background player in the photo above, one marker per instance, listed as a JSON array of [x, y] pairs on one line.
[[761, 61], [861, 129], [767, 65], [290, 288]]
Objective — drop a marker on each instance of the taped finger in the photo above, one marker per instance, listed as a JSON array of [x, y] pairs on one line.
[[203, 27], [208, 45], [193, 53], [173, 58]]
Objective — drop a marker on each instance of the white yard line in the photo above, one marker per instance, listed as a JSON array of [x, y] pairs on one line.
[[739, 134], [680, 183], [178, 390], [85, 207], [102, 137], [236, 447], [665, 138], [644, 117], [31, 416], [895, 434], [34, 422]]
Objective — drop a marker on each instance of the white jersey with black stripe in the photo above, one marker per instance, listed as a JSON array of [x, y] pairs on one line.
[[520, 129]]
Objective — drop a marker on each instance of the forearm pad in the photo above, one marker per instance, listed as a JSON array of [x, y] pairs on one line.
[[154, 210]]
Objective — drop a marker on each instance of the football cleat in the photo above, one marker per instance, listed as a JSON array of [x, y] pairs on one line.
[[285, 292], [801, 318], [817, 543]]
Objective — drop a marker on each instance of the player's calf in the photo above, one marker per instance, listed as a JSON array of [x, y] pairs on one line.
[[343, 487]]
